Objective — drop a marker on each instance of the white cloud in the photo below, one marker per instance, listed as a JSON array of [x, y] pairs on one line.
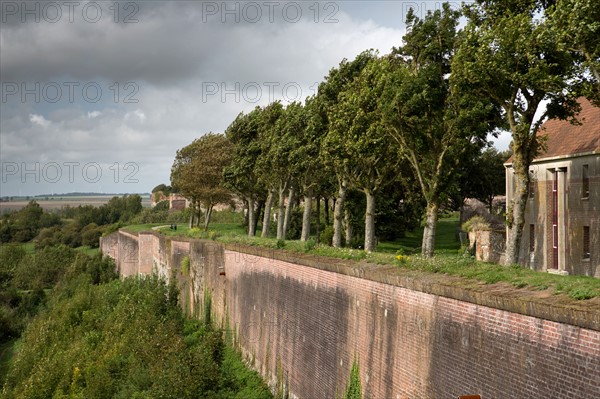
[[39, 120], [94, 114]]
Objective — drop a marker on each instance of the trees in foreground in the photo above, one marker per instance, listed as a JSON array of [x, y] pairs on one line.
[[419, 118], [515, 55]]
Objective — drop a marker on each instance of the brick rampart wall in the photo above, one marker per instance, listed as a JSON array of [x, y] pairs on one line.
[[302, 320]]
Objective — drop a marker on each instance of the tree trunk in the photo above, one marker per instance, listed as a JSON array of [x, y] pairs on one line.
[[370, 222], [246, 213], [280, 213], [288, 211], [267, 215], [326, 204], [348, 224], [209, 209], [338, 215], [251, 217], [261, 207], [192, 215], [516, 213], [306, 216], [318, 210], [428, 244], [198, 215]]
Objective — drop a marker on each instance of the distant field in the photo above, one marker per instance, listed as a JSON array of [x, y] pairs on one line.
[[61, 202]]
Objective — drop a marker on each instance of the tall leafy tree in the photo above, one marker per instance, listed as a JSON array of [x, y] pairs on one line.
[[432, 124], [309, 163], [198, 172], [242, 175], [575, 25], [277, 135], [333, 151], [511, 56], [358, 131]]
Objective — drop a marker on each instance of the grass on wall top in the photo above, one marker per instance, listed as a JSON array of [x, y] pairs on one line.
[[450, 258]]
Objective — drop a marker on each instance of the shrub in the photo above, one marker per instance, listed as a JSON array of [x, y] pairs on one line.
[[354, 390], [327, 235], [476, 223], [309, 245]]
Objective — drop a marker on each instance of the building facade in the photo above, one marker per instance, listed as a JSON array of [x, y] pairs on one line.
[[562, 216]]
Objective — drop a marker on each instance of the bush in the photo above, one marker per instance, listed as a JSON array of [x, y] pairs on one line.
[[476, 223], [90, 235], [44, 268], [10, 257], [309, 245], [124, 339], [327, 235]]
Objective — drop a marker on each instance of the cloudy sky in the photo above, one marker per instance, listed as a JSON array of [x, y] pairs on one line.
[[98, 96]]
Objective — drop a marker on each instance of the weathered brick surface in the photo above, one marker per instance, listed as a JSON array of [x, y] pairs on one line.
[[303, 320]]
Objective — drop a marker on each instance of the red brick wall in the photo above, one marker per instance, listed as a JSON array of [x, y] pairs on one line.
[[302, 322]]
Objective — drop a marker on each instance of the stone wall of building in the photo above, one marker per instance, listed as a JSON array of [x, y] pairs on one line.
[[575, 209]]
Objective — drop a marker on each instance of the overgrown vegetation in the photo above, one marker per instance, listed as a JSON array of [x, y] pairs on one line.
[[126, 338], [70, 328]]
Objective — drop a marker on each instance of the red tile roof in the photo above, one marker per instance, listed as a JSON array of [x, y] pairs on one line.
[[563, 138]]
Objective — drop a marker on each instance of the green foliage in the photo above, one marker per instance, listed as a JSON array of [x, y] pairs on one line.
[[122, 338], [309, 245], [185, 266], [44, 268], [25, 293], [354, 390], [280, 244], [24, 225], [476, 223], [10, 257], [327, 235], [198, 171], [163, 188], [513, 56], [574, 24], [483, 176]]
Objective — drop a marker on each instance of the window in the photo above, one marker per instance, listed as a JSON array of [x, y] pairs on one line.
[[585, 191], [586, 242], [531, 238], [531, 188]]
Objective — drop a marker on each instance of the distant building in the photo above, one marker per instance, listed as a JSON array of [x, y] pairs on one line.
[[562, 216], [176, 201]]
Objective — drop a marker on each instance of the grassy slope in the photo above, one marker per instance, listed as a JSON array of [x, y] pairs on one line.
[[7, 352]]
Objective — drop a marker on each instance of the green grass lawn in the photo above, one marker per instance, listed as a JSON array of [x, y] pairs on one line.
[[88, 250], [143, 227], [445, 239]]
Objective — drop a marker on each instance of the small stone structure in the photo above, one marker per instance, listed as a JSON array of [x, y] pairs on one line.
[[489, 245]]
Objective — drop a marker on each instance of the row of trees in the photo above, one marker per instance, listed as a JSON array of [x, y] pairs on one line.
[[414, 118]]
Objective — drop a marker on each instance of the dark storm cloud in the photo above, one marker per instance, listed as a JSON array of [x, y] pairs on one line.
[[193, 68]]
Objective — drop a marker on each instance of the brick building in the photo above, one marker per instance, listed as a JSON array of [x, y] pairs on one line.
[[176, 201], [562, 216]]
